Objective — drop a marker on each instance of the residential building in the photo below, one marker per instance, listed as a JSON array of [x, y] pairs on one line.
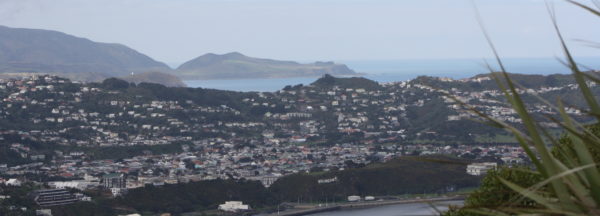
[[114, 180], [233, 206], [478, 169], [54, 197]]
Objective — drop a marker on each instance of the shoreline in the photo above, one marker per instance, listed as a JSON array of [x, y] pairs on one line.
[[362, 205], [357, 74]]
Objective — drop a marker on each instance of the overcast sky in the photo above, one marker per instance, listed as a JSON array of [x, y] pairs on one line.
[[175, 31]]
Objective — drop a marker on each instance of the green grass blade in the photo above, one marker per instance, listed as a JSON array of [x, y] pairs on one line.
[[542, 200], [522, 139], [578, 75], [591, 10]]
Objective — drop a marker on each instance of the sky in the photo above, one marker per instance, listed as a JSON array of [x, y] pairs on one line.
[[174, 31]]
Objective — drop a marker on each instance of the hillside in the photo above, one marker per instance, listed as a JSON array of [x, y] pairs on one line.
[[44, 113], [27, 51], [486, 81], [237, 66], [328, 81], [24, 51], [155, 77], [409, 175], [406, 175], [401, 176]]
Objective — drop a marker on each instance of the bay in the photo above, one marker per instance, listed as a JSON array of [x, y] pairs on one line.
[[410, 209]]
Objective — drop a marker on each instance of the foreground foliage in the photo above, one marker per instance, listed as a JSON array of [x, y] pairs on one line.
[[569, 175], [494, 194]]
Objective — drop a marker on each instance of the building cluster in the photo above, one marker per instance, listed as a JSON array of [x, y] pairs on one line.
[[478, 169], [55, 110], [264, 164]]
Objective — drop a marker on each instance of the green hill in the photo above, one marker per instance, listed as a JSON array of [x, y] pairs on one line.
[[24, 51], [237, 66], [155, 77], [328, 81]]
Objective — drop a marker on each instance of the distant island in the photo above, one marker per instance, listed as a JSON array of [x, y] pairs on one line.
[[33, 51], [238, 66]]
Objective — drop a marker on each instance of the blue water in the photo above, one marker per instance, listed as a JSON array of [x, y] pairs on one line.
[[412, 209], [400, 70], [271, 85]]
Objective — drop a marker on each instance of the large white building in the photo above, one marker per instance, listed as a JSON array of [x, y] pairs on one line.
[[233, 206], [478, 169], [268, 180], [114, 180], [78, 184], [116, 183]]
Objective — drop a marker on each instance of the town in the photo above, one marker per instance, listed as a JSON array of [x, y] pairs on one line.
[[80, 135]]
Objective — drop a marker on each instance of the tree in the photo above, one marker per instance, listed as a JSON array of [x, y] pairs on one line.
[[115, 84], [493, 193]]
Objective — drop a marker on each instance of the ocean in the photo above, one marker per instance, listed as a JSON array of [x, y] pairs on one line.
[[401, 70]]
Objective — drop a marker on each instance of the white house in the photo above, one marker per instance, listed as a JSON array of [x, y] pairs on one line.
[[13, 182], [233, 206], [353, 198], [329, 180], [118, 191], [478, 169]]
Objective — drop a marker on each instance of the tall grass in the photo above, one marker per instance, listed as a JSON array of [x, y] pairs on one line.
[[571, 177]]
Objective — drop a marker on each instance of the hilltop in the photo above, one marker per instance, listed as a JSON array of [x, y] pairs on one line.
[[328, 81], [238, 66], [34, 51], [487, 82], [26, 51]]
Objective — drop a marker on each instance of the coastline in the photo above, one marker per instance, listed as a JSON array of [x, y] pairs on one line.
[[193, 79], [362, 205]]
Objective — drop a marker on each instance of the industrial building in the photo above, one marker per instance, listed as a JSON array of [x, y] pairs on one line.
[[54, 197]]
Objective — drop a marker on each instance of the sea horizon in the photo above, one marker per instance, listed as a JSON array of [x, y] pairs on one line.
[[384, 71]]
